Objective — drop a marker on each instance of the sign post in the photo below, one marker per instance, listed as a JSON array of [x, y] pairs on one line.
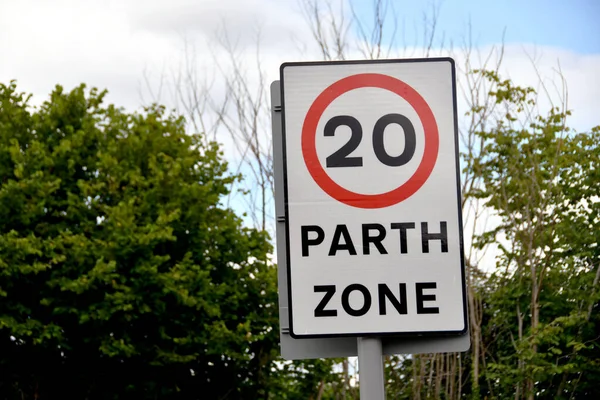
[[369, 226], [370, 364]]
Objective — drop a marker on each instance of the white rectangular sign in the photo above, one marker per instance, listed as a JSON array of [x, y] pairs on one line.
[[372, 196]]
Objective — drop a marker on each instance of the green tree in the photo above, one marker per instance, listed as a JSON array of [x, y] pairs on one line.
[[121, 273], [541, 178]]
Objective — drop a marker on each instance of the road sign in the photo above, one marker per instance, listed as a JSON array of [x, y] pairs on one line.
[[330, 347], [372, 199]]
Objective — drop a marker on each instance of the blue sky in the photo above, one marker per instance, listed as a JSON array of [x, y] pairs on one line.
[[572, 24]]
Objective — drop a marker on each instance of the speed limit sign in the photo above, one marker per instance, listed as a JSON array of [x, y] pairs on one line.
[[372, 198]]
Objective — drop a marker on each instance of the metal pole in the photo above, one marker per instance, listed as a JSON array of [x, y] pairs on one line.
[[370, 368]]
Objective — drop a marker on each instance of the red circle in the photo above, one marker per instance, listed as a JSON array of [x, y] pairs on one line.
[[309, 134]]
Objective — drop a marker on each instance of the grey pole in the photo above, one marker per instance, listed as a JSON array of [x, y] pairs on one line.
[[370, 368]]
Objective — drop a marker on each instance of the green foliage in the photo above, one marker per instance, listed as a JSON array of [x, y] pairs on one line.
[[310, 379], [541, 179], [121, 274]]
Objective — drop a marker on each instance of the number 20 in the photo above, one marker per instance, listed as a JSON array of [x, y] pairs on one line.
[[340, 157]]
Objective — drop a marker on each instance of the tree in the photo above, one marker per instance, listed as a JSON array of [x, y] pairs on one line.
[[122, 275], [540, 178]]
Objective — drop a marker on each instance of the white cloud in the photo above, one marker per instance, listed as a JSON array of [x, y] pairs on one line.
[[111, 43], [70, 42], [276, 20]]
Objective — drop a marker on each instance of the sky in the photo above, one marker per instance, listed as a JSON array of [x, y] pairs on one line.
[[135, 48], [111, 41], [571, 25], [125, 46]]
